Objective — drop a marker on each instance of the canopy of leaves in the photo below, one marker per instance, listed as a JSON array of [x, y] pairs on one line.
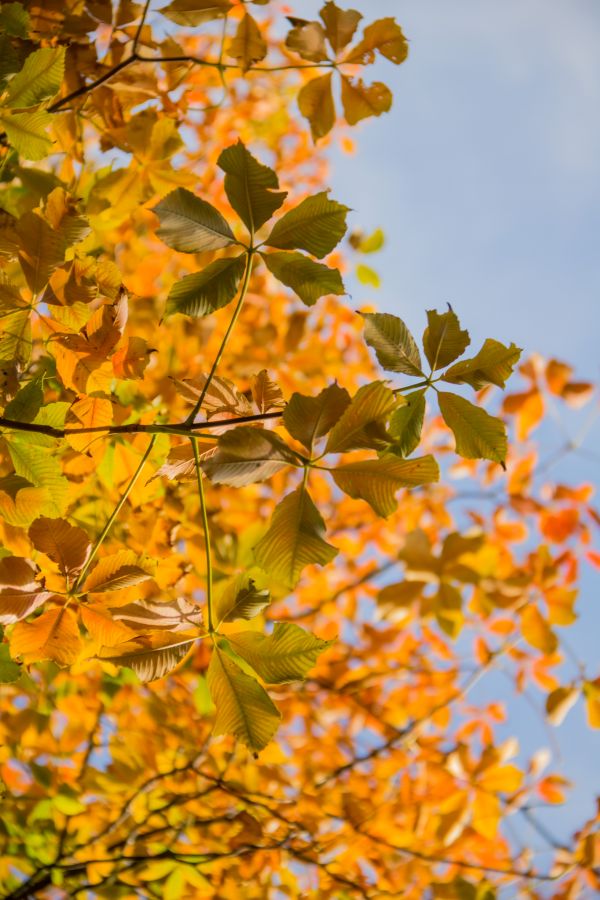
[[248, 579]]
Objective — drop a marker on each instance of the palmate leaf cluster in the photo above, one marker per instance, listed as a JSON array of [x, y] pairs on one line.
[[321, 431], [191, 225]]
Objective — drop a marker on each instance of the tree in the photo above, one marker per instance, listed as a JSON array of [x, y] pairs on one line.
[[243, 613]]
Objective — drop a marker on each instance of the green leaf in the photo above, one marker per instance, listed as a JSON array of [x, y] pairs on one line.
[[383, 35], [239, 598], [443, 339], [243, 707], [195, 12], [190, 224], [202, 293], [362, 424], [14, 20], [340, 24], [316, 225], [361, 100], [246, 455], [372, 243], [39, 79], [406, 424], [250, 186], [295, 539], [377, 480], [309, 418], [283, 656], [477, 434], [15, 337], [492, 365], [309, 279], [315, 102], [26, 132], [26, 404], [9, 670], [41, 468], [9, 59], [367, 275], [393, 343]]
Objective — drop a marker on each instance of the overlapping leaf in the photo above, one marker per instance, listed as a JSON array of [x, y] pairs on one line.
[[378, 480], [243, 706], [294, 540], [285, 655], [245, 455]]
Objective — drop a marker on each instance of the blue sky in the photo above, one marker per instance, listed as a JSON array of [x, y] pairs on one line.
[[486, 173], [485, 177]]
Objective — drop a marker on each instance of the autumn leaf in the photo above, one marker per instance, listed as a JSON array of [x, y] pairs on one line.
[[443, 339], [246, 455], [248, 46], [360, 100], [190, 224], [362, 423], [477, 434], [53, 635], [309, 418], [149, 659], [378, 480], [294, 539], [239, 598], [406, 424], [285, 655], [315, 102], [251, 187], [119, 570], [340, 24], [65, 544], [195, 12], [202, 293], [394, 345], [243, 706], [492, 365], [307, 278], [316, 225]]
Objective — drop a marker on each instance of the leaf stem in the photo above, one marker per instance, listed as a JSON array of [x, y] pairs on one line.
[[249, 260], [99, 541], [413, 387], [209, 596]]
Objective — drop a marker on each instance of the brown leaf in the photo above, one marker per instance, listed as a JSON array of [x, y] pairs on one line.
[[248, 46], [361, 101], [315, 102], [266, 394], [65, 544]]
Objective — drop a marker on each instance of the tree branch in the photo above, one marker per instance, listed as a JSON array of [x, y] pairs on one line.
[[185, 429]]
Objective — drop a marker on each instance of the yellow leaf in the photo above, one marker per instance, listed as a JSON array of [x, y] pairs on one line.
[[92, 413], [501, 778], [486, 813], [536, 630], [248, 46], [559, 702]]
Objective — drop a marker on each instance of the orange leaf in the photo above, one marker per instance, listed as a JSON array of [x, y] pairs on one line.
[[54, 635]]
